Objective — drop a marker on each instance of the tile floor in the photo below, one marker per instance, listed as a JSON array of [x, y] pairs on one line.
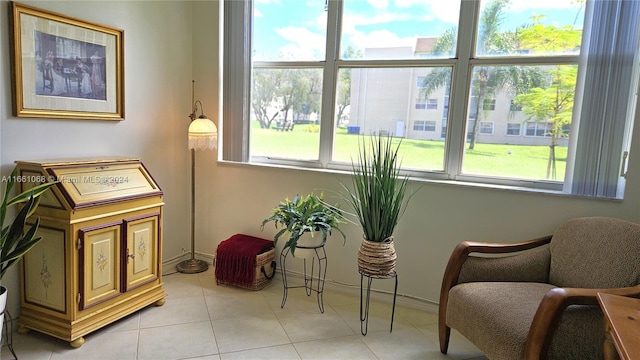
[[201, 320]]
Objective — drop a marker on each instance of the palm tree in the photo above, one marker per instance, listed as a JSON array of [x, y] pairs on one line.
[[487, 80]]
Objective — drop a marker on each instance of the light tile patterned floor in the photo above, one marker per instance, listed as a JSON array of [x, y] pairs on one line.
[[201, 320]]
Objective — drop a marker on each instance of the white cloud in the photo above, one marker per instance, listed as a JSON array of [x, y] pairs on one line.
[[379, 34], [257, 13], [404, 11], [380, 39], [351, 22], [379, 4], [523, 5], [302, 36], [407, 3], [447, 11], [321, 21], [303, 43], [294, 52]]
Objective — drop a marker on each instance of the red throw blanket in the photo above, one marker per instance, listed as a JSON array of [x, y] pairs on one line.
[[236, 258]]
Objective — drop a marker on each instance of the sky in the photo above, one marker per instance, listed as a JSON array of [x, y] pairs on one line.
[[297, 28]]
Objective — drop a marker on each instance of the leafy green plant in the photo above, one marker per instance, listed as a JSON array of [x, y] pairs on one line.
[[15, 240], [378, 189], [309, 214]]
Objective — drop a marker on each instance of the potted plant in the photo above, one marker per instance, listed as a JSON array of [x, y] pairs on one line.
[[305, 215], [17, 237], [377, 196]]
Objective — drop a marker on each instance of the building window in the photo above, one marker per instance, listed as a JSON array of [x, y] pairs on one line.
[[489, 104], [312, 62], [514, 107], [486, 128], [472, 113], [513, 129], [540, 129], [422, 125]]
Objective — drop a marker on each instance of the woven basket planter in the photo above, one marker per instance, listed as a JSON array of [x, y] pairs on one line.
[[377, 258]]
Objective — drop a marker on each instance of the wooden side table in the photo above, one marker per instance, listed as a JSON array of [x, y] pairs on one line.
[[622, 326]]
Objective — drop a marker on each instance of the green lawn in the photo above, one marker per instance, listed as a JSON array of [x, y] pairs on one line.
[[514, 161]]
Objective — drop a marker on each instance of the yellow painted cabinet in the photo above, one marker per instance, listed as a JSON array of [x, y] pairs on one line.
[[100, 256]]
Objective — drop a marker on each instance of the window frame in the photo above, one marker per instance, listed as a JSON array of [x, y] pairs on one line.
[[462, 65]]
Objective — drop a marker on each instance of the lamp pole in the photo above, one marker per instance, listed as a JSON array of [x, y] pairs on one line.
[[201, 128]]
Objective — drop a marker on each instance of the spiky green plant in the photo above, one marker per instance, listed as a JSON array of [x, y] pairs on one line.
[[309, 214], [378, 190], [16, 240]]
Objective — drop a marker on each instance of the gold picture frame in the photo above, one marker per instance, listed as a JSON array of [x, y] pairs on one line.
[[64, 67]]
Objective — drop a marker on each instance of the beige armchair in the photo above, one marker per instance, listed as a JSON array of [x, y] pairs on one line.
[[539, 301]]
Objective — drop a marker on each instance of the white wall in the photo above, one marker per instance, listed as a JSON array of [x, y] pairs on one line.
[[158, 73], [235, 198]]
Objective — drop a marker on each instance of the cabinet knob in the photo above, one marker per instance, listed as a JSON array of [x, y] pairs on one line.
[[130, 256]]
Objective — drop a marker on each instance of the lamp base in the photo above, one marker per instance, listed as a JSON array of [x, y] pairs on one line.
[[192, 266]]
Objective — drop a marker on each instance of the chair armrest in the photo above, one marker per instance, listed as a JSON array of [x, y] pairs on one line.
[[550, 311], [458, 257]]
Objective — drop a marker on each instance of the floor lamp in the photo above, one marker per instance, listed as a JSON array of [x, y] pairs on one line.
[[203, 135]]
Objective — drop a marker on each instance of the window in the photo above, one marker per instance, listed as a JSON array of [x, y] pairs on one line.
[[428, 104], [515, 107], [421, 125], [327, 67], [486, 128], [489, 104], [538, 129], [513, 129], [472, 113]]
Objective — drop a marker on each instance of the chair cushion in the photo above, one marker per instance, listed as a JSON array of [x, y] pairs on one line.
[[595, 252], [495, 316]]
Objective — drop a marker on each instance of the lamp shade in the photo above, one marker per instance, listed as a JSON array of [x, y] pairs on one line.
[[203, 134]]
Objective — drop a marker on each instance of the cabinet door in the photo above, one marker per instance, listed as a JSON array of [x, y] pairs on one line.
[[141, 253], [99, 264]]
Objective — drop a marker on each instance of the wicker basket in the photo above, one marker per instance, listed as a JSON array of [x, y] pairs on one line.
[[377, 258], [265, 270]]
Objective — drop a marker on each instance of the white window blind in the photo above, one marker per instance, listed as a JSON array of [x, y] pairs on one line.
[[609, 93]]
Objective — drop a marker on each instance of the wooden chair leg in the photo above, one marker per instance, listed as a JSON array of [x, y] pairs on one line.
[[444, 333]]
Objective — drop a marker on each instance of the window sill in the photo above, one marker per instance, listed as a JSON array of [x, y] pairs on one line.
[[466, 182]]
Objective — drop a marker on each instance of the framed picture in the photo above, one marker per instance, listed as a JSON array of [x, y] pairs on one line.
[[65, 67]]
